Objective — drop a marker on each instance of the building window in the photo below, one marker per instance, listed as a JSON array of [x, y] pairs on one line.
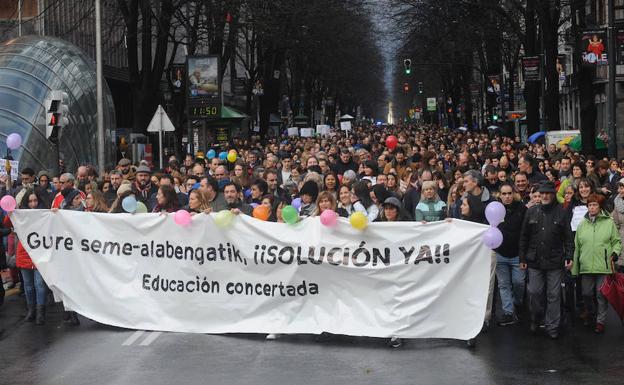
[[619, 10]]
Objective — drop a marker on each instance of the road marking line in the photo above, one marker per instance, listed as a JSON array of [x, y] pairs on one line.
[[151, 338], [135, 336]]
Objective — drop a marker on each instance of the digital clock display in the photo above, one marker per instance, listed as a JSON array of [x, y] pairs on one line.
[[204, 111]]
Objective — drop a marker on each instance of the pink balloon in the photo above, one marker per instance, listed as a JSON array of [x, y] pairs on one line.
[[8, 203], [182, 218], [329, 218], [14, 141], [492, 238]]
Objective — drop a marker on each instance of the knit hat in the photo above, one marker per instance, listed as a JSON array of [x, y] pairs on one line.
[[310, 188], [124, 162], [124, 188], [143, 169], [393, 201]]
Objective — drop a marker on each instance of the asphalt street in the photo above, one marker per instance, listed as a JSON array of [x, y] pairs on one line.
[[92, 353]]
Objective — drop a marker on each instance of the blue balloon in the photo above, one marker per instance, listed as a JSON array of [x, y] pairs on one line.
[[223, 155], [211, 154], [254, 205], [129, 204], [296, 203], [247, 193]]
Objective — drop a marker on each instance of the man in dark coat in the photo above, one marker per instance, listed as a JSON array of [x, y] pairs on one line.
[[510, 276], [546, 241]]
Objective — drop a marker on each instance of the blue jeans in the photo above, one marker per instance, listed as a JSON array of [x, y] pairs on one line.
[[510, 282], [34, 287]]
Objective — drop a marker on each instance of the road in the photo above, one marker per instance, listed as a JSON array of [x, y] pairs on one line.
[[92, 353]]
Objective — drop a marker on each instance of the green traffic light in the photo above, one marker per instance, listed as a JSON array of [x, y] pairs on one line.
[[408, 71]]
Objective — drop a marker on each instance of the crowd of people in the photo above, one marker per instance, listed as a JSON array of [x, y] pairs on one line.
[[564, 210]]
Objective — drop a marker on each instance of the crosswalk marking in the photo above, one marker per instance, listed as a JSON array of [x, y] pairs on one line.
[[135, 336], [151, 338]]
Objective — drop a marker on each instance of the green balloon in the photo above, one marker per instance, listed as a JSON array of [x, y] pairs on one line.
[[141, 208], [290, 214], [224, 218]]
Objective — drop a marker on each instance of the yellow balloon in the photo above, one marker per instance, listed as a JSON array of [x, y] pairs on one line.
[[231, 157], [233, 150], [358, 220]]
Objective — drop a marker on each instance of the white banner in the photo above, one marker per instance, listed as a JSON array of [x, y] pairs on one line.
[[143, 271]]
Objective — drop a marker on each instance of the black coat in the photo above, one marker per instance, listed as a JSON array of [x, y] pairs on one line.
[[511, 227], [546, 238]]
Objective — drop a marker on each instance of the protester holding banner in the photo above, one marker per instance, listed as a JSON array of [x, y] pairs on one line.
[[361, 200], [35, 287], [166, 200]]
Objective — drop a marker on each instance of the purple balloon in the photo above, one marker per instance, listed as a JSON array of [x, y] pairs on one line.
[[247, 193], [14, 141], [254, 205], [492, 237], [296, 203], [495, 213]]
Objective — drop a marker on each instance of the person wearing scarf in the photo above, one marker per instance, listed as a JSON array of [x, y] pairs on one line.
[[143, 188]]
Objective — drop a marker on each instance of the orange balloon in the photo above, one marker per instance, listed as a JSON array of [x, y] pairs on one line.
[[261, 212]]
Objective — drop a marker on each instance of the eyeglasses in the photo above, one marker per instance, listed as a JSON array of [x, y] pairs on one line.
[[506, 193]]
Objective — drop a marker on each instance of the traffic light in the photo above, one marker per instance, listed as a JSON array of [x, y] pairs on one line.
[[407, 64], [420, 88], [406, 87], [56, 114], [495, 117]]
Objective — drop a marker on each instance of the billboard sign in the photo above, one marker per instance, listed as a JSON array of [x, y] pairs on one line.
[[593, 47], [203, 87]]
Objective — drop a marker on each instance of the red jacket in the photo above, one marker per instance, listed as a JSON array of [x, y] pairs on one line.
[[22, 259]]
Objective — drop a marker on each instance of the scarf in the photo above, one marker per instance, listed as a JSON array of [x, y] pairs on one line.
[[143, 191], [619, 204]]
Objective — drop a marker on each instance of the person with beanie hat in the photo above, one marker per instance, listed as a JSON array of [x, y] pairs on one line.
[[308, 193]]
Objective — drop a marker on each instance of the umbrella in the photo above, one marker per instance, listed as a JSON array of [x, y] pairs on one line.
[[493, 128], [533, 138], [613, 291], [566, 140], [576, 143], [462, 128]]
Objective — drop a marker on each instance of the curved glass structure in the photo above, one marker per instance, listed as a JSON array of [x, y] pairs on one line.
[[30, 68]]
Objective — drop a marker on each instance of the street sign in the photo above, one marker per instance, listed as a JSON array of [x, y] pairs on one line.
[[160, 122], [432, 105], [531, 68]]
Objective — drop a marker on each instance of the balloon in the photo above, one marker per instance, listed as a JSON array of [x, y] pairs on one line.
[[247, 193], [182, 217], [261, 212], [231, 157], [224, 218], [391, 142], [495, 213], [129, 204], [8, 203], [223, 155], [329, 218], [253, 205], [296, 203], [140, 208], [492, 237], [290, 215], [358, 220], [14, 141], [211, 154]]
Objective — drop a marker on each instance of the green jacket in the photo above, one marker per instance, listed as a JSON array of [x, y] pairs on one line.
[[594, 244]]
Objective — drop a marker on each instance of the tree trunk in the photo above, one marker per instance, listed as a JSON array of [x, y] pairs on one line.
[[531, 89]]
